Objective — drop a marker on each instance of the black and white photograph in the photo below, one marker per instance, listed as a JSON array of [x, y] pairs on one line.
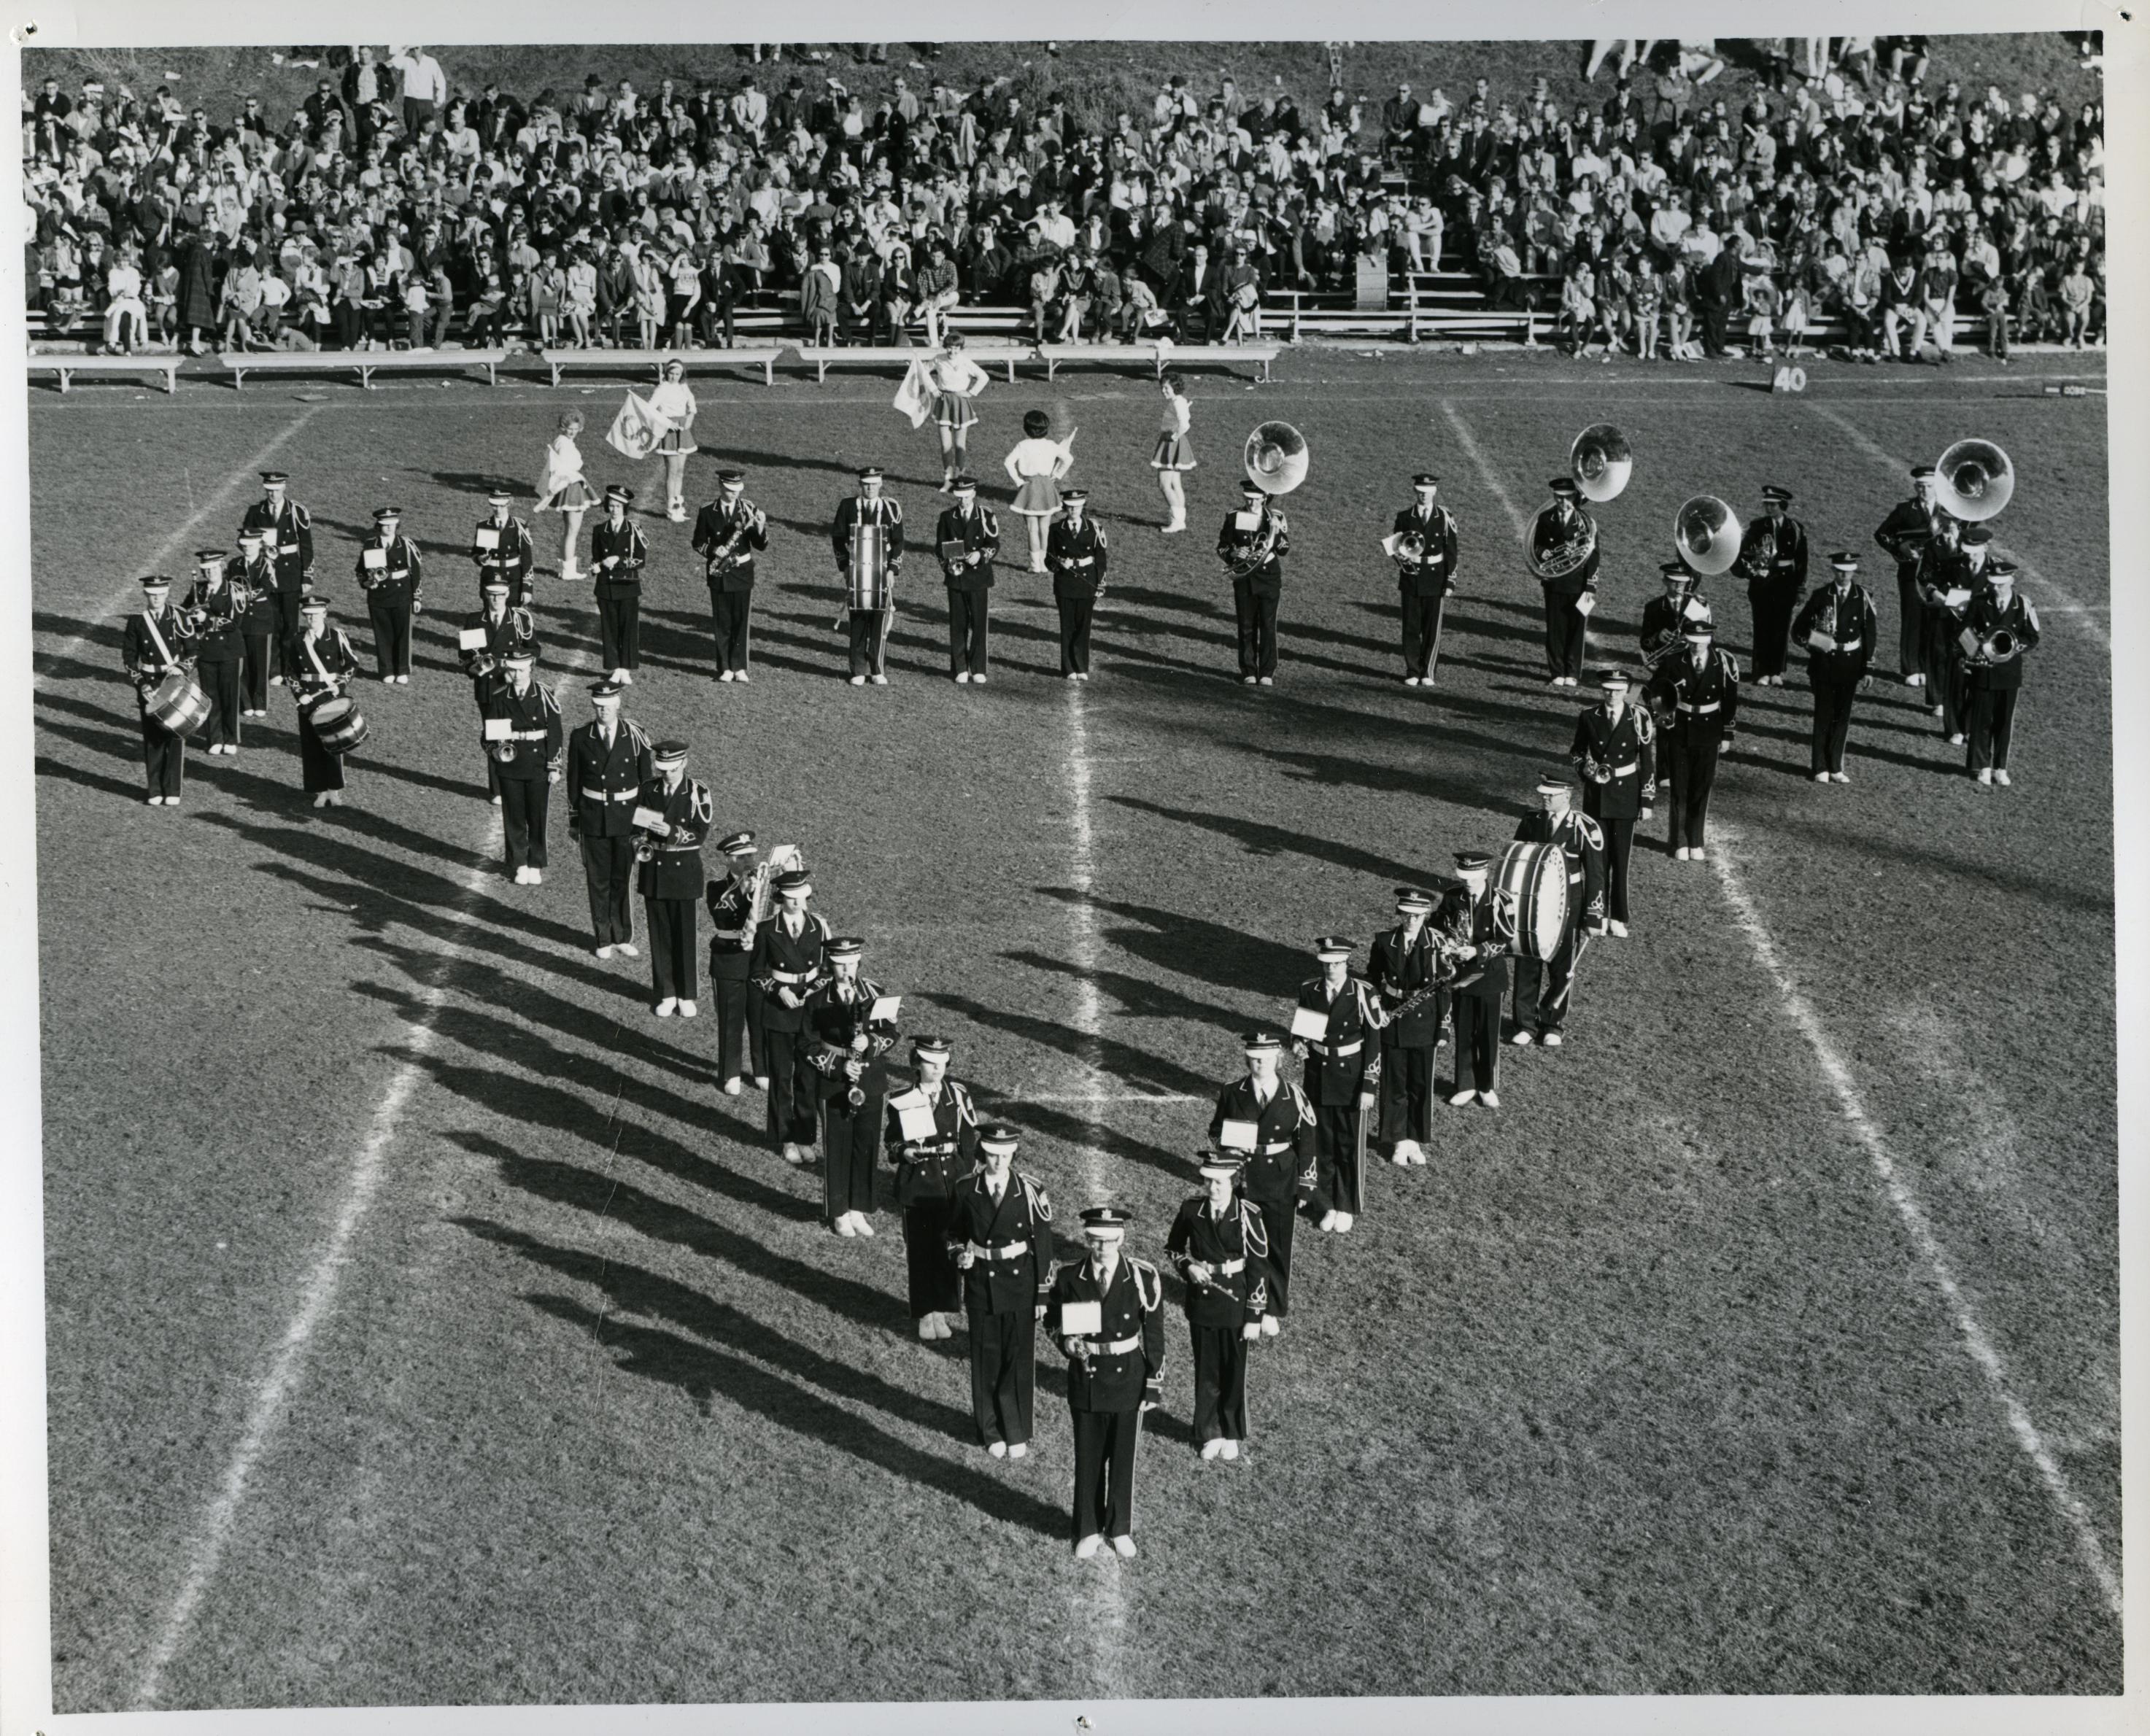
[[1117, 882]]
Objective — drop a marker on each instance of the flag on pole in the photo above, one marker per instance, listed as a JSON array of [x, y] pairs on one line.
[[915, 396], [637, 429]]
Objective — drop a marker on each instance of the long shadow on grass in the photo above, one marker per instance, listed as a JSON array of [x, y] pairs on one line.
[[1262, 840], [48, 767], [1082, 1132], [1191, 946], [1137, 996], [1123, 1060]]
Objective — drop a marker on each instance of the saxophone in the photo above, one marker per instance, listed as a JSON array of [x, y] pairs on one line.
[[751, 517]]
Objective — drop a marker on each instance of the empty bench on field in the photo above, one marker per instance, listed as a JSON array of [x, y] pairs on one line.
[[823, 356], [1158, 358], [68, 367], [364, 363], [762, 355]]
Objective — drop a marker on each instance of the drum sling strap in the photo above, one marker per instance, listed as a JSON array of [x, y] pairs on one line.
[[314, 657], [157, 639]]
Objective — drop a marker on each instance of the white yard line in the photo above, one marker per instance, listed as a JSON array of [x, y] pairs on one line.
[[1917, 1225], [184, 537], [1476, 454], [274, 1393], [2065, 603]]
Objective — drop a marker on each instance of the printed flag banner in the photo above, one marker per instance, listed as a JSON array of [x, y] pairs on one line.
[[637, 429]]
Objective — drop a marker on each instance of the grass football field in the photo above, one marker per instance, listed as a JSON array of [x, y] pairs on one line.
[[425, 1326]]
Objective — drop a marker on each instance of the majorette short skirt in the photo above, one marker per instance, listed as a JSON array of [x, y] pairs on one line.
[[1173, 452], [954, 414], [1039, 498], [675, 440], [576, 496]]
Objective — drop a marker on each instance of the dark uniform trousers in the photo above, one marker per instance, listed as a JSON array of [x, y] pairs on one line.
[[1910, 621], [868, 641], [219, 680], [1693, 750], [739, 1026], [320, 768], [1257, 620], [851, 1146], [389, 607], [1542, 985], [1105, 1397], [793, 1087], [1407, 1090], [1832, 722], [1619, 842], [730, 612], [619, 624], [1075, 613], [935, 1286], [1566, 635], [1422, 631], [1772, 605], [609, 866], [1105, 1471], [1476, 1001], [525, 804], [673, 968], [1992, 726], [163, 756], [1000, 1302], [1218, 1314], [966, 631]]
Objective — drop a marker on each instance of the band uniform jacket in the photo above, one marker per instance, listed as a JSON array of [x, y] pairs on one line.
[[1583, 577], [786, 960], [1397, 971], [731, 902], [1772, 557], [1336, 1062], [605, 782], [1581, 840], [1133, 1308], [507, 634], [627, 548], [1282, 1158], [1849, 619], [932, 1168], [216, 637], [1692, 702], [1432, 572], [836, 1021], [674, 868], [1013, 1241], [402, 572], [979, 532], [1665, 621], [1077, 556], [1235, 1247], [144, 664], [1627, 749], [287, 540], [1904, 535], [885, 511], [1943, 569], [512, 560], [333, 653], [1234, 546], [1470, 920], [264, 618], [715, 525], [533, 725], [1984, 615]]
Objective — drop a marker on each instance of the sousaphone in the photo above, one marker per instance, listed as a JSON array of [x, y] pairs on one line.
[[1706, 536], [1601, 462], [1275, 457], [1973, 481]]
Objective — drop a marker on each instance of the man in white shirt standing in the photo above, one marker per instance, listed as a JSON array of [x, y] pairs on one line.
[[425, 87]]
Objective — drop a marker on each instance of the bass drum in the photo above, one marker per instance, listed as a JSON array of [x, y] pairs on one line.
[[1531, 889], [338, 723], [178, 703]]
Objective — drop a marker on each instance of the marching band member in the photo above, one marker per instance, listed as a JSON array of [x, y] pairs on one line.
[[1954, 574], [619, 552], [673, 400], [1076, 551], [1267, 1121], [1616, 752], [968, 536], [1175, 456], [287, 542], [1665, 618], [1567, 615], [1469, 919], [215, 615], [1544, 990], [1424, 536], [1000, 1234], [731, 902], [671, 818], [955, 381], [1773, 557], [1217, 1245], [263, 632], [788, 957], [525, 740], [392, 577], [609, 761], [501, 548], [1335, 1069], [1903, 535], [848, 1043], [1697, 700], [505, 630], [1406, 969], [869, 629], [1838, 626], [562, 488], [728, 533], [154, 645], [928, 1169], [1252, 546], [321, 664], [1113, 1375], [1991, 686]]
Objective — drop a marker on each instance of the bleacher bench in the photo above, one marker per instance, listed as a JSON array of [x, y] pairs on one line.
[[364, 363], [1159, 357], [760, 354], [822, 356], [66, 366]]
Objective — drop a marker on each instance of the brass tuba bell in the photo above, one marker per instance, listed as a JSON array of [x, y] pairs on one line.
[[1276, 457], [1706, 536], [1601, 462], [1973, 481]]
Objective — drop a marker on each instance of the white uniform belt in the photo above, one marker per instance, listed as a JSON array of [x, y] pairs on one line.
[[1848, 645], [1276, 1147], [791, 976], [1113, 1346], [1711, 706], [617, 795], [1229, 1266], [1575, 876], [1006, 1250], [1628, 770], [527, 735], [1339, 1052], [674, 850]]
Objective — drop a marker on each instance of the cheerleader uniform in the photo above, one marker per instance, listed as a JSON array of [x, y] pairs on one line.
[[674, 402], [952, 388], [1034, 460], [1173, 449], [561, 488]]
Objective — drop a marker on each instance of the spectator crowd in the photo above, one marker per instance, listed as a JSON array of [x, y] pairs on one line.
[[1842, 184]]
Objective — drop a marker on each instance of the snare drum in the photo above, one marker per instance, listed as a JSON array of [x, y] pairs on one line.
[[1532, 884], [338, 723], [178, 703], [869, 574]]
